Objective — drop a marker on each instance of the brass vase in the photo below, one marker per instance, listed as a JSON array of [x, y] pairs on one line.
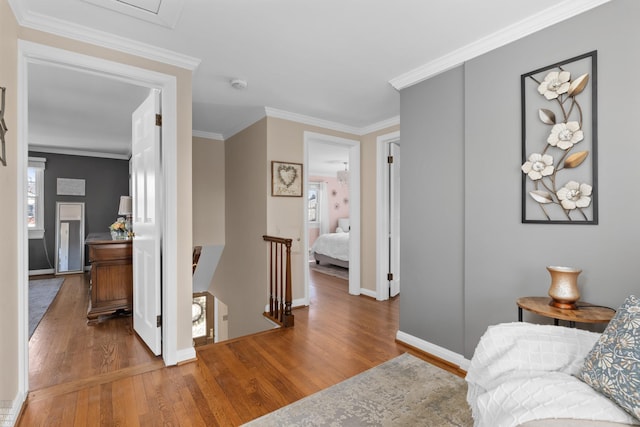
[[564, 291]]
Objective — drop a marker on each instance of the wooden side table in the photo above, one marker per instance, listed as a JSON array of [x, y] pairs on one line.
[[585, 313], [111, 276]]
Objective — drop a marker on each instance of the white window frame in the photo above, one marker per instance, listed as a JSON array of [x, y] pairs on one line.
[[318, 187], [37, 231]]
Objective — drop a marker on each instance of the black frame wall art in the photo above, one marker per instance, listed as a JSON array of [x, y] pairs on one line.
[[559, 142]]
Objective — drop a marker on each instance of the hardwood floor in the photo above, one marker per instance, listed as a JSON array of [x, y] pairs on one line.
[[115, 382]]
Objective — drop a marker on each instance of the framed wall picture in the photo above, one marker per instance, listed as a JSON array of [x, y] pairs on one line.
[[286, 179], [559, 143]]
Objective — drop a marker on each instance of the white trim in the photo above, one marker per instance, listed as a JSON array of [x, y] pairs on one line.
[[354, 207], [67, 29], [9, 416], [29, 52], [393, 121], [307, 120], [170, 351], [550, 16], [382, 213], [22, 162], [368, 293], [300, 302], [207, 135], [39, 164], [185, 355], [74, 152], [40, 272], [312, 121], [436, 350]]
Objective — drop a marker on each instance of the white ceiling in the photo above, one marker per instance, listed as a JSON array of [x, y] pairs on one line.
[[334, 61]]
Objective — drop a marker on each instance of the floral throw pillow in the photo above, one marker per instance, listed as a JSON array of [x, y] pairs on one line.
[[612, 367]]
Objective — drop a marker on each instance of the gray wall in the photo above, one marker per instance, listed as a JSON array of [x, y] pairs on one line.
[[431, 210], [499, 259], [105, 181]]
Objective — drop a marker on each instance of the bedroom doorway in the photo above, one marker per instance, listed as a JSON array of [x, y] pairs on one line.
[[31, 53], [336, 200]]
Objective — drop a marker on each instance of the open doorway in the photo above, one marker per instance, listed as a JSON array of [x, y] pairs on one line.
[[338, 155], [30, 54]]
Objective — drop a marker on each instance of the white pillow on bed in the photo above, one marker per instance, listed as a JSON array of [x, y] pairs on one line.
[[343, 225]]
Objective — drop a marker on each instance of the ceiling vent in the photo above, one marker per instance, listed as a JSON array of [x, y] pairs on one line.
[[161, 12]]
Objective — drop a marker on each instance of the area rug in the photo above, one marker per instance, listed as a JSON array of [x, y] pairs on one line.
[[331, 270], [405, 391], [41, 294]]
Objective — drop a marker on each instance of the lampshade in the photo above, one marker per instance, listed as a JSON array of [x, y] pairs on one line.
[[125, 206]]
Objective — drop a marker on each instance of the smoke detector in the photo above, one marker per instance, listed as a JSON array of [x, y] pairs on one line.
[[238, 84]]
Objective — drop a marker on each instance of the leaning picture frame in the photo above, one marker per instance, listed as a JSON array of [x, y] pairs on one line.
[[286, 179], [559, 142]]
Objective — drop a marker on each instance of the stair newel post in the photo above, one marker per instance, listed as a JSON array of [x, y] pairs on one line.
[[288, 317], [271, 284]]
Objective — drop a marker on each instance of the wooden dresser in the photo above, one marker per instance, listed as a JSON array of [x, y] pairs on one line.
[[111, 276]]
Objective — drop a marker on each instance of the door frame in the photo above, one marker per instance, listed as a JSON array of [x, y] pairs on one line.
[[34, 53], [382, 213], [354, 208]]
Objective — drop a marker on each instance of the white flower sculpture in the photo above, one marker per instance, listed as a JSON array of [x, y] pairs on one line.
[[541, 167], [538, 166], [554, 84], [575, 195], [565, 135]]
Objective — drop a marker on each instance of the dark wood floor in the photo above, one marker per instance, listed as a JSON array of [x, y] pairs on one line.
[[102, 375]]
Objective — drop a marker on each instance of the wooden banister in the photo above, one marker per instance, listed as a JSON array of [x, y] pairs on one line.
[[279, 280], [195, 257]]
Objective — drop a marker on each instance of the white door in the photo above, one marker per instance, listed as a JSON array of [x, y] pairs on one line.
[[146, 222], [394, 219]]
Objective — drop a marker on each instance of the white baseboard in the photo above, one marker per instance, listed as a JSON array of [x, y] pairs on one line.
[[185, 354], [9, 415], [300, 302], [369, 293], [41, 272], [436, 350]]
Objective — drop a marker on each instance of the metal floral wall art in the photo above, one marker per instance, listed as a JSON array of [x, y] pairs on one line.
[[559, 136]]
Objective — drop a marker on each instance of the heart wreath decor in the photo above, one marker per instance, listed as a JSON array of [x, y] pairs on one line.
[[287, 175]]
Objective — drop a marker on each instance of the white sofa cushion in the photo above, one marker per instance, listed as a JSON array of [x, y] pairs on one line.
[[522, 372]]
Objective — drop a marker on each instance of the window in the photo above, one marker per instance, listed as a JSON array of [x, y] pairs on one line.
[[35, 197], [314, 205]]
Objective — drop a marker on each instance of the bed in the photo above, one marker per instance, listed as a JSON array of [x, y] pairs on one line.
[[332, 248]]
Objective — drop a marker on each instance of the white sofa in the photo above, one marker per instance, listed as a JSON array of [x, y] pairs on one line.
[[525, 375]]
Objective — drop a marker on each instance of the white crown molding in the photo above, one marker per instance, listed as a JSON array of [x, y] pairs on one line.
[[301, 118], [207, 135], [308, 120], [375, 127], [81, 33], [558, 13], [74, 152]]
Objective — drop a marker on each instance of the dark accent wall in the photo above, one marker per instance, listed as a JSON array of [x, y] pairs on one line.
[[105, 181]]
